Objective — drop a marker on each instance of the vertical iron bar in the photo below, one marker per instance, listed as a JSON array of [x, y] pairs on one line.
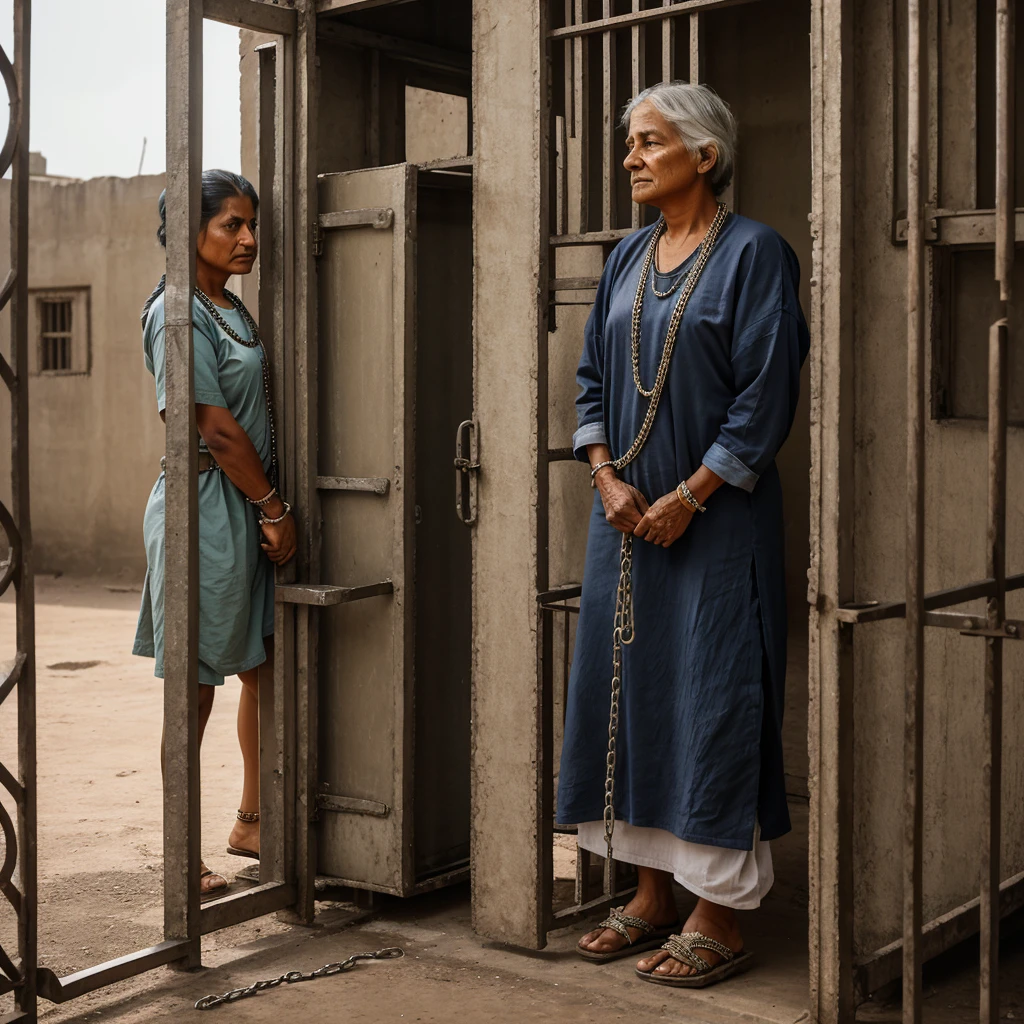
[[913, 738], [607, 124], [995, 546], [305, 305], [581, 92], [696, 47], [638, 70], [273, 784], [181, 587], [561, 178], [25, 996], [668, 46], [570, 75]]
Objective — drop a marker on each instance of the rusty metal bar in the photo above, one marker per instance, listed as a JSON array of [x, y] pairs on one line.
[[561, 176], [669, 10], [995, 546], [181, 601], [274, 777], [25, 995], [875, 611], [668, 46], [696, 47], [569, 76], [607, 125], [913, 734], [638, 72], [305, 347], [266, 898], [71, 986]]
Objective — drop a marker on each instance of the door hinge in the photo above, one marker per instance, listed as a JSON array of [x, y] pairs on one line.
[[318, 239]]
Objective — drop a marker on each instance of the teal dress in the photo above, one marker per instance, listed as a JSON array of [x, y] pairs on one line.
[[236, 579]]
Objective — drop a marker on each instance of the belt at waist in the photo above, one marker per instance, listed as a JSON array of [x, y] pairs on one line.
[[206, 462]]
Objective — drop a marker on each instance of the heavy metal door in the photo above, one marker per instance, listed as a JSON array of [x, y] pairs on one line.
[[365, 482]]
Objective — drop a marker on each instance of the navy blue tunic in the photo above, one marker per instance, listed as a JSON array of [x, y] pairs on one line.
[[699, 746]]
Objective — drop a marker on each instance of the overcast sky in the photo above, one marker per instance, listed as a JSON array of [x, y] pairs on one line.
[[98, 70]]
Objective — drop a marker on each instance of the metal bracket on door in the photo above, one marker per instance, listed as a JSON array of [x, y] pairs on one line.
[[466, 468], [378, 218]]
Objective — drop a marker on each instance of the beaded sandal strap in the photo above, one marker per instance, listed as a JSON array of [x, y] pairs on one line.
[[619, 922], [681, 948]]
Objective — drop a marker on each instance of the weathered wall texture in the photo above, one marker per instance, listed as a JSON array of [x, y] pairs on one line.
[[955, 510], [96, 438]]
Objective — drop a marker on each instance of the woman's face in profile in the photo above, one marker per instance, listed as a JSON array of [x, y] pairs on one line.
[[228, 242], [659, 164]]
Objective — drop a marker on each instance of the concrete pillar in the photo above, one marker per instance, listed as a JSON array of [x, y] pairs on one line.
[[510, 879]]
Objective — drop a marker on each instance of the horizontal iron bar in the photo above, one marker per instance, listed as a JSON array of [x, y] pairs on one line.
[[563, 593], [450, 877], [874, 611], [60, 990], [379, 219], [640, 17], [352, 805], [15, 1017], [425, 55], [569, 609], [876, 969], [962, 227], [591, 237], [599, 903], [372, 484], [254, 14], [975, 625], [573, 284], [245, 905], [323, 595], [561, 455]]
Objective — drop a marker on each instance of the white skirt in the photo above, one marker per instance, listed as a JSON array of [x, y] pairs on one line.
[[731, 878]]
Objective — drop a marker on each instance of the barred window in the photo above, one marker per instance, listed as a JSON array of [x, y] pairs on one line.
[[62, 332]]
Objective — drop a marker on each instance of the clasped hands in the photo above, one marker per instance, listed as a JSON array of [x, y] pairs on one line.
[[662, 523]]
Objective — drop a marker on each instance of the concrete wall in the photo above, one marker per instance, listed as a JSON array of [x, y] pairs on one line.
[[955, 504], [96, 438]]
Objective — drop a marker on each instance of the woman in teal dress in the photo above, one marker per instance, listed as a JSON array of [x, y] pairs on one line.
[[245, 526]]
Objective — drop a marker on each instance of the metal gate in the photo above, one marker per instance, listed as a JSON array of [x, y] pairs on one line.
[[288, 319], [19, 843]]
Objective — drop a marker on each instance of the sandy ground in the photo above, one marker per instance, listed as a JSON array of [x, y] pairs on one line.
[[100, 883]]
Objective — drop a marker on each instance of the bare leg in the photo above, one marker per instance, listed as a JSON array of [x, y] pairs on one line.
[[710, 919], [653, 902], [246, 835]]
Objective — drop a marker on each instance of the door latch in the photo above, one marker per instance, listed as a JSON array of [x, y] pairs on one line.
[[467, 465]]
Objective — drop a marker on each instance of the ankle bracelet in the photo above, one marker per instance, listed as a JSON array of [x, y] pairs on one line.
[[248, 816]]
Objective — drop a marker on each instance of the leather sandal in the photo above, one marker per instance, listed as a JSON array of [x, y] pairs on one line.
[[619, 922], [681, 948], [249, 817], [214, 891]]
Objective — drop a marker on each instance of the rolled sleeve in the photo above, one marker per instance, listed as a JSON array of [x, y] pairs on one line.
[[722, 461], [589, 433]]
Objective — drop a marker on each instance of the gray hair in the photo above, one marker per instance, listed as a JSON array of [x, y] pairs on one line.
[[701, 117]]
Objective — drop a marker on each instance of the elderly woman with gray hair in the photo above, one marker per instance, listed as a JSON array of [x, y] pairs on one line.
[[689, 381]]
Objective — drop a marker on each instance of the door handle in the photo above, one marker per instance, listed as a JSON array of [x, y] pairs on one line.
[[467, 465]]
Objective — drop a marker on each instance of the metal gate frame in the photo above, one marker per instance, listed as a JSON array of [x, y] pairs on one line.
[[289, 316], [837, 980]]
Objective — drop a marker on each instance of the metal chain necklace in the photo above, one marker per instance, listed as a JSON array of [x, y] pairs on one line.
[[673, 288], [254, 341], [210, 1001], [623, 631]]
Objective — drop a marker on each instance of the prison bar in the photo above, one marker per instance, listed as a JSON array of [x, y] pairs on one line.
[[668, 46], [992, 756], [913, 732], [638, 80], [608, 23]]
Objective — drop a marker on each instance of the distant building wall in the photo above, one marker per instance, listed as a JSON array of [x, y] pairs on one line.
[[95, 437]]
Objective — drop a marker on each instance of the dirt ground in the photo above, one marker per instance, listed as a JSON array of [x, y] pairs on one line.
[[100, 883]]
